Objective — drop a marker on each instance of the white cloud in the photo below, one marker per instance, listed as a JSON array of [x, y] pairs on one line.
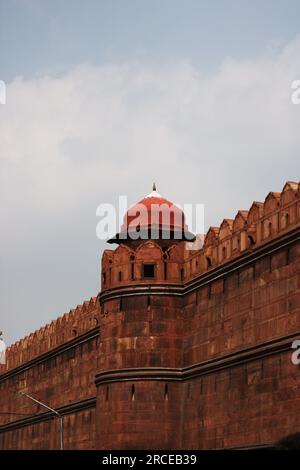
[[69, 143]]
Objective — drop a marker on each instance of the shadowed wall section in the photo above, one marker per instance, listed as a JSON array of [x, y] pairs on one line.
[[61, 376]]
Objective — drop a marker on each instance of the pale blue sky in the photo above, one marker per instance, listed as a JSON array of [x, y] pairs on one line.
[[43, 36], [105, 97]]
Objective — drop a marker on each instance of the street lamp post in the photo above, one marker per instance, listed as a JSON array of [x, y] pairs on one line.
[[60, 417]]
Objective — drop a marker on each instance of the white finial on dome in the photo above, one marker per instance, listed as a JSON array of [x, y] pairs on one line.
[[154, 193]]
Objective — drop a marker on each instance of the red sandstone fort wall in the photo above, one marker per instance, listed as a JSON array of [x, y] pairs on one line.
[[247, 405], [246, 307], [57, 366], [239, 305], [141, 335], [198, 357], [248, 392], [79, 433], [65, 328]]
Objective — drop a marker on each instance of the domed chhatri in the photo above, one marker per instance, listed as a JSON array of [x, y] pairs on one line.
[[153, 217]]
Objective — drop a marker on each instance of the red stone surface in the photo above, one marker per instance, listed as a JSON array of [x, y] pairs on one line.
[[154, 211]]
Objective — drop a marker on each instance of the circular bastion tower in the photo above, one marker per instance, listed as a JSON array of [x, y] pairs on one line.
[[141, 325]]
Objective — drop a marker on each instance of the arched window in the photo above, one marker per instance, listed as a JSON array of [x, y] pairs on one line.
[[132, 392], [132, 260], [165, 257], [270, 228], [251, 240], [148, 271], [286, 219]]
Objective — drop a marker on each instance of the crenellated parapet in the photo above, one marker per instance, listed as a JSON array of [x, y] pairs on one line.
[[65, 328], [264, 222], [128, 266], [250, 229]]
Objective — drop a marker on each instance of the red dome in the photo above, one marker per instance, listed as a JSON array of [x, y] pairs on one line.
[[154, 212], [154, 217]]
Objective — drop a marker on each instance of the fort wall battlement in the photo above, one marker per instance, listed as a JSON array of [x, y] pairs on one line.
[[65, 328], [250, 229]]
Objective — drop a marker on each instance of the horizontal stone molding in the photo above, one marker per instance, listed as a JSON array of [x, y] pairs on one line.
[[142, 289], [260, 351], [145, 373], [247, 259], [73, 343], [40, 417]]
